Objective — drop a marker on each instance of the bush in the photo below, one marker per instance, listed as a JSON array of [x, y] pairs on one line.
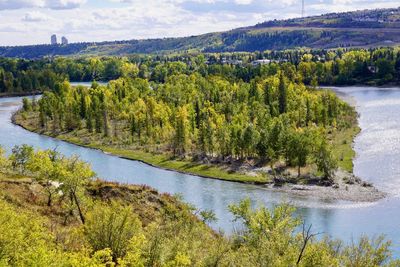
[[111, 227]]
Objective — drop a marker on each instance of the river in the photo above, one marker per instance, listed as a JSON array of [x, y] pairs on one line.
[[377, 161]]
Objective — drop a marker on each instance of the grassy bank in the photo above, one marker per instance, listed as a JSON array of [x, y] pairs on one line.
[[347, 186], [27, 194], [342, 144], [157, 160], [165, 162]]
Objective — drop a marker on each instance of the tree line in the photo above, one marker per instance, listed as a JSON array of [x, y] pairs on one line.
[[326, 67]]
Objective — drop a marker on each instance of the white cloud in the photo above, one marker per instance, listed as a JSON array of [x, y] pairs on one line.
[[35, 16], [33, 21], [52, 4], [243, 2], [64, 4], [17, 4], [341, 2]]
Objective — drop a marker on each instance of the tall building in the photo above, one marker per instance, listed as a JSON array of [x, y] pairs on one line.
[[54, 39], [64, 40]]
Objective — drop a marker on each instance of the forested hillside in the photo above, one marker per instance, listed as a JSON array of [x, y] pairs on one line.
[[369, 28], [53, 213], [333, 67]]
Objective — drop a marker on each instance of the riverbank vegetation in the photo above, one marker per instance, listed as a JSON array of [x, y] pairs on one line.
[[274, 121], [53, 212]]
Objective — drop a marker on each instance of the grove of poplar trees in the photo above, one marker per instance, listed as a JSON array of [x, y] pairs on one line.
[[270, 118]]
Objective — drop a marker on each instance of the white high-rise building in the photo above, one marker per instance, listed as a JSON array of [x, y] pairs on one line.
[[54, 39], [64, 40]]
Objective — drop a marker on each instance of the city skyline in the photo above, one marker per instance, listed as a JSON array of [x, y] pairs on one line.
[[31, 22]]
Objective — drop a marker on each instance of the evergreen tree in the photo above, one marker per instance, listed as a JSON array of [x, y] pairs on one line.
[[282, 94]]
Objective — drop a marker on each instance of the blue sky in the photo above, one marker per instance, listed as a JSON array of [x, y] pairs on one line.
[[33, 21]]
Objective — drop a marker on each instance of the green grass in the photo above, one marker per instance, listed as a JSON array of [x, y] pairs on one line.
[[157, 160], [165, 162], [342, 142], [13, 177]]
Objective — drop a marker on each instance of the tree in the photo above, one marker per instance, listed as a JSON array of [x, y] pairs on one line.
[[20, 156], [112, 227], [367, 253], [181, 137], [325, 160], [129, 70], [77, 176], [89, 122], [4, 161], [386, 69], [23, 239], [267, 234], [138, 114], [26, 104], [282, 94], [299, 148], [48, 168], [274, 143], [314, 82], [250, 138], [96, 68]]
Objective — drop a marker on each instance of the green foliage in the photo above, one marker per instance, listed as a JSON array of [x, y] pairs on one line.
[[26, 105], [185, 114], [113, 234], [57, 174], [20, 157], [48, 168], [25, 241], [270, 238], [325, 160], [22, 240], [4, 161], [112, 227], [77, 176], [367, 253]]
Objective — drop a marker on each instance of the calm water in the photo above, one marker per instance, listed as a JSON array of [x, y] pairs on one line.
[[378, 158]]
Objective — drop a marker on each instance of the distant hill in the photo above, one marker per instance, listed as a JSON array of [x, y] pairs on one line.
[[366, 28]]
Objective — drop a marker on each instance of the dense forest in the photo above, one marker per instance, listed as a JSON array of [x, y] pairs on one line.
[[324, 67], [54, 213], [189, 115], [367, 28]]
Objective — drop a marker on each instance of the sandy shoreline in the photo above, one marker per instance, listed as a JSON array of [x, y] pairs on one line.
[[353, 193]]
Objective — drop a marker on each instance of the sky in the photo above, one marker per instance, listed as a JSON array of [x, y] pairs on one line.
[[24, 22]]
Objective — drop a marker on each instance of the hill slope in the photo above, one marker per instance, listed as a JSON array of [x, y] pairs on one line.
[[367, 28]]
